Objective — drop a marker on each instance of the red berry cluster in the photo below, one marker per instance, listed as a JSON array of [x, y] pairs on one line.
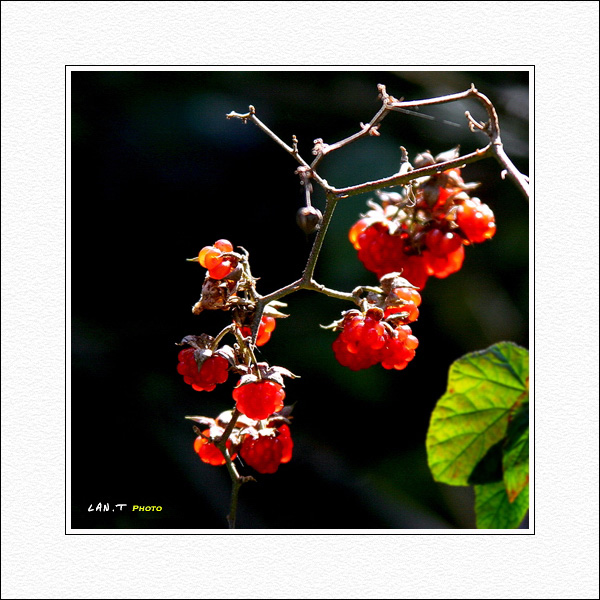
[[262, 445], [264, 453], [423, 236], [380, 335], [258, 394], [203, 378], [261, 434], [218, 259]]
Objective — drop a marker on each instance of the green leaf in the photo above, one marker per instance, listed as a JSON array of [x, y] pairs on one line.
[[515, 459], [473, 414], [493, 509]]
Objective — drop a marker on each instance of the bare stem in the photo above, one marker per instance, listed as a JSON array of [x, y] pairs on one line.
[[306, 282], [221, 335], [236, 479], [389, 103], [517, 177], [293, 151], [368, 129], [405, 178]]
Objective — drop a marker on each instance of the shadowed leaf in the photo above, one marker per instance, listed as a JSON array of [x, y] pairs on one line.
[[515, 460], [483, 389], [493, 509]]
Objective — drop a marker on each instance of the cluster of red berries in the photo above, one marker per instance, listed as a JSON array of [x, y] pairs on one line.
[[261, 436], [257, 397], [203, 378], [379, 335], [217, 259], [263, 446], [425, 236], [264, 453]]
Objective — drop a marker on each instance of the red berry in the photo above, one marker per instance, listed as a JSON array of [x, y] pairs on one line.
[[356, 230], [264, 453], [212, 259], [221, 270], [408, 294], [443, 195], [285, 438], [410, 308], [382, 252], [224, 245], [441, 243], [400, 349], [415, 270], [209, 453], [208, 257], [266, 327], [442, 266], [259, 399], [476, 220], [214, 370], [359, 344]]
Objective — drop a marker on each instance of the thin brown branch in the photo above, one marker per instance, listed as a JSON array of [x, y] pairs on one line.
[[389, 103], [236, 479], [323, 149], [403, 179], [517, 177], [293, 151], [491, 128]]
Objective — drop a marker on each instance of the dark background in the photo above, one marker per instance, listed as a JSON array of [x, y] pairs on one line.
[[157, 173]]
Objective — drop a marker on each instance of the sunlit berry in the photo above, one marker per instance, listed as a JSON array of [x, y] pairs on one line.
[[285, 438], [208, 452], [263, 453], [441, 243], [214, 370], [476, 220], [266, 327], [259, 399], [212, 259]]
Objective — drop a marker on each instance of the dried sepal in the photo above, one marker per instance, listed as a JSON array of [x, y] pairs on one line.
[[448, 155], [271, 310], [200, 355], [396, 319], [242, 368], [391, 281], [215, 295], [425, 159], [228, 353], [199, 342], [203, 421], [389, 197], [265, 372], [276, 373], [339, 324], [373, 312], [242, 420], [246, 379], [277, 419]]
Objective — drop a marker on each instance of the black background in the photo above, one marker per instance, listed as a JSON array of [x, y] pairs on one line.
[[157, 172]]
